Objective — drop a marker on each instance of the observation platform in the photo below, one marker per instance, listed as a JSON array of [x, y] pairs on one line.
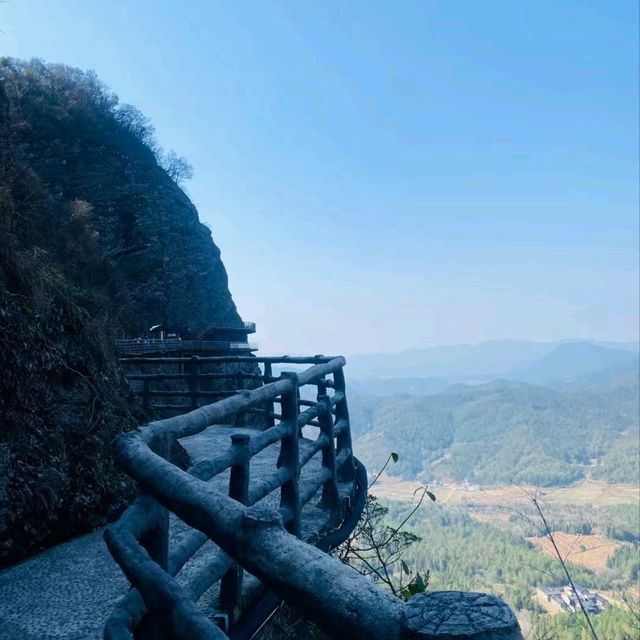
[[214, 339], [154, 346]]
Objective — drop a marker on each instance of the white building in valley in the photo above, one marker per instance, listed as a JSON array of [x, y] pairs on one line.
[[566, 599]]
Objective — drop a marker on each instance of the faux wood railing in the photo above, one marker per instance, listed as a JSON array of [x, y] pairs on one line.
[[139, 541], [258, 538], [192, 374], [155, 345]]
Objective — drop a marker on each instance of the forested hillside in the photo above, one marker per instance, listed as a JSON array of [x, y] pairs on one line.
[[462, 553], [501, 433]]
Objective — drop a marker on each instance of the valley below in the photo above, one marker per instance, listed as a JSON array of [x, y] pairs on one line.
[[492, 539], [587, 493], [489, 429]]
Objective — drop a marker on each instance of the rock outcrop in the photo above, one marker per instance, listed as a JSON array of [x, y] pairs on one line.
[[87, 149], [96, 241]]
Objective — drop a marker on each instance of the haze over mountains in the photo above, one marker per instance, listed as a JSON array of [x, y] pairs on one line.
[[434, 369]]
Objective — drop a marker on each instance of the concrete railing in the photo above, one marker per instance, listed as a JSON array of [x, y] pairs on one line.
[[139, 541], [257, 537], [155, 345]]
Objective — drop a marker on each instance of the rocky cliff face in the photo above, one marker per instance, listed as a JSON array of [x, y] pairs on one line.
[[85, 147], [96, 241]]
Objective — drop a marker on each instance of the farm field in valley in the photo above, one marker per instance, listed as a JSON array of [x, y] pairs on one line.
[[595, 526], [587, 492], [591, 551]]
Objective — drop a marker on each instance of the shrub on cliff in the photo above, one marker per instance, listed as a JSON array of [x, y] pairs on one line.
[[62, 398]]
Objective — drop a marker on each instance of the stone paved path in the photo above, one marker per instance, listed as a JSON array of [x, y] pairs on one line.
[[65, 592], [68, 592]]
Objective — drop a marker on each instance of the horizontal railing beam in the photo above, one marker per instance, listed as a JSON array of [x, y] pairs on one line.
[[225, 359], [340, 426], [160, 592], [206, 376], [199, 419], [255, 537], [136, 456], [163, 393]]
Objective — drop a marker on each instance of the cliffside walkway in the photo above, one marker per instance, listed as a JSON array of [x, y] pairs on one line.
[[67, 592], [213, 544], [260, 504]]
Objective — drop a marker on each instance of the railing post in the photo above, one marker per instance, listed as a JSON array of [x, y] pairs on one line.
[[289, 454], [194, 381], [231, 584], [240, 416], [330, 493], [145, 397], [268, 373], [346, 472], [156, 542], [297, 396], [322, 388]]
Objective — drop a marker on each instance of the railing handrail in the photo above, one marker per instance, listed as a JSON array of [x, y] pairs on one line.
[[146, 449], [227, 325], [244, 325], [320, 359], [173, 344], [251, 535], [196, 421]]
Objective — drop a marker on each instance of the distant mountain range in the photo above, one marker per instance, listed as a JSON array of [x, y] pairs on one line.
[[575, 361], [437, 369], [497, 412]]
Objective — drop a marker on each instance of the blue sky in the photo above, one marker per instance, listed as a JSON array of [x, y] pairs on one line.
[[387, 175]]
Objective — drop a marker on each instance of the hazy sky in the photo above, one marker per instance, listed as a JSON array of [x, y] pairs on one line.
[[385, 175]]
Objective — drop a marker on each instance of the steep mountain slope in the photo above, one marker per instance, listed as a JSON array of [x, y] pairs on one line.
[[96, 241], [84, 147]]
